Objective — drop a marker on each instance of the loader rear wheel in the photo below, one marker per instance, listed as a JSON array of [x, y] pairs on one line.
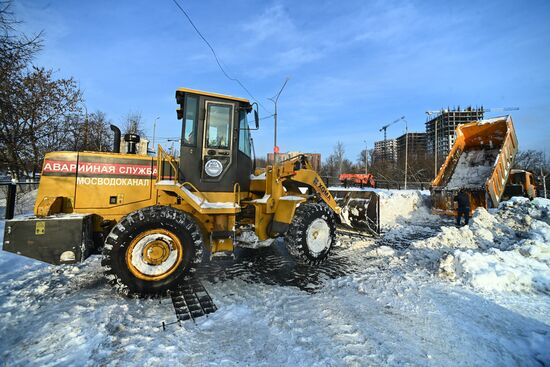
[[312, 233], [151, 250]]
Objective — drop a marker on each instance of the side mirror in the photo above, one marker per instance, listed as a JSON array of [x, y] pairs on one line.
[[248, 109]]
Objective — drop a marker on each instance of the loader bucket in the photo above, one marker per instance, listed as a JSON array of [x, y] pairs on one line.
[[360, 210]]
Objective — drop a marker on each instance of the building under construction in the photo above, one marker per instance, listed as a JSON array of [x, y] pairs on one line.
[[385, 151], [414, 143], [440, 128]]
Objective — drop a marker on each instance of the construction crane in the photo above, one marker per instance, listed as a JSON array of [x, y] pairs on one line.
[[496, 109], [385, 127]]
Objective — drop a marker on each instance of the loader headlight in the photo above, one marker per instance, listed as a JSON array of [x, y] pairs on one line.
[[213, 168], [67, 256]]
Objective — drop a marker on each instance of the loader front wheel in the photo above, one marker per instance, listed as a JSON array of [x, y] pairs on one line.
[[151, 250], [312, 233]]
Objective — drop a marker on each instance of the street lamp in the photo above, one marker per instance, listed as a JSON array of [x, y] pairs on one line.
[[429, 113], [154, 133], [275, 100], [406, 151], [86, 127], [366, 158]]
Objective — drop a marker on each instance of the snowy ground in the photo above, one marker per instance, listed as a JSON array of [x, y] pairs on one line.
[[426, 293]]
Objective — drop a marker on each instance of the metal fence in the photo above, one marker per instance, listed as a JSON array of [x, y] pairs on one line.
[[14, 198], [542, 194], [383, 184]]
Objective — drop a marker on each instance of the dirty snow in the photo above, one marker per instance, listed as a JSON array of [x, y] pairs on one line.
[[473, 169], [375, 302], [505, 250]]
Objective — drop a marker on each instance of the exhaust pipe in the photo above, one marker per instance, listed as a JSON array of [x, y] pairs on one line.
[[116, 143], [131, 142], [10, 201]]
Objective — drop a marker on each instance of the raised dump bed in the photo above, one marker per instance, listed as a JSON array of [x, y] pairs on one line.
[[479, 162]]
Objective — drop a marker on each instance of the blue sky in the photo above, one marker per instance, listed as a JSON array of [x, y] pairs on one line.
[[353, 65]]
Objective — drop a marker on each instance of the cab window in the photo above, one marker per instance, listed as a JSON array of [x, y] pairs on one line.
[[218, 125], [190, 121], [244, 134]]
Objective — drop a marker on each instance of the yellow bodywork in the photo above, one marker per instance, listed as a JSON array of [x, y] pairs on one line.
[[112, 185], [210, 94]]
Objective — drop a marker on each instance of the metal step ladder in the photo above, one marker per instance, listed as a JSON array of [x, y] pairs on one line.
[[191, 300]]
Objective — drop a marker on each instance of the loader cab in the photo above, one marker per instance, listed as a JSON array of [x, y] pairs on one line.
[[216, 149]]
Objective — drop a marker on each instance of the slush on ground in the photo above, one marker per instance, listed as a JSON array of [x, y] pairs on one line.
[[424, 293]]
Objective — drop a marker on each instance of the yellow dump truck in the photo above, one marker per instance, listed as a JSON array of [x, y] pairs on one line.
[[480, 162]]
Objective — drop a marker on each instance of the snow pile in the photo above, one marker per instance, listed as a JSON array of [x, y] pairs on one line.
[[524, 269], [396, 205], [507, 249], [473, 169]]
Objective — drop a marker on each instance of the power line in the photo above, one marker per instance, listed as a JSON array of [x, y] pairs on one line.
[[216, 56]]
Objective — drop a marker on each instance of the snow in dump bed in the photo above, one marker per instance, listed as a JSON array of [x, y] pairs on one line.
[[492, 120], [473, 169]]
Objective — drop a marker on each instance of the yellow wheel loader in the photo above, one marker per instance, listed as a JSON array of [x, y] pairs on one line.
[[152, 218]]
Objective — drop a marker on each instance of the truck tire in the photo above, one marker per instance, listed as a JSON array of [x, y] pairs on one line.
[[151, 250], [312, 233]]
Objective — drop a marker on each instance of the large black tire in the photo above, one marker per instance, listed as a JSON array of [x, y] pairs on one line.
[[151, 250], [312, 233]]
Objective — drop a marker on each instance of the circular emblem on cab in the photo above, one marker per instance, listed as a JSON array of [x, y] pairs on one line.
[[213, 168]]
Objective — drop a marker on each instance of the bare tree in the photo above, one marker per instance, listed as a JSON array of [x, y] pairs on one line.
[[93, 133], [337, 163], [134, 124], [33, 104], [530, 160]]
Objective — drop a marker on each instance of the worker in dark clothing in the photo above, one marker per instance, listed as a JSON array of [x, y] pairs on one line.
[[463, 206]]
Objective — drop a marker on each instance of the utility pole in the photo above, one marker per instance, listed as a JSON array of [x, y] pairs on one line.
[[172, 150], [406, 151], [86, 128], [366, 158], [543, 176], [275, 100], [435, 120], [435, 149], [154, 133]]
